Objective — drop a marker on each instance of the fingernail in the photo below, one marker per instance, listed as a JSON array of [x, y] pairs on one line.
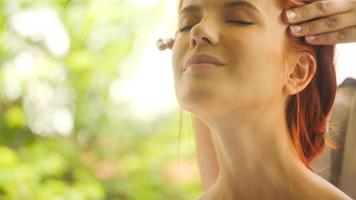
[[159, 42], [310, 38], [296, 28], [291, 14]]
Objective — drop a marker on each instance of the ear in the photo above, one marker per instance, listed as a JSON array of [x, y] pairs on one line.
[[301, 71]]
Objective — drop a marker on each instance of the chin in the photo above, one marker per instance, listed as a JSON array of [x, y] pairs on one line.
[[197, 103]]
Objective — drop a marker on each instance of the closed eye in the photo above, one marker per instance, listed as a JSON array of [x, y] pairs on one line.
[[240, 22]]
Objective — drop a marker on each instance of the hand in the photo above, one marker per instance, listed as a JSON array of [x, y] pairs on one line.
[[331, 21], [164, 44]]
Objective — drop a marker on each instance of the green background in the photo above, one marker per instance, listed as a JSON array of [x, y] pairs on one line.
[[105, 151]]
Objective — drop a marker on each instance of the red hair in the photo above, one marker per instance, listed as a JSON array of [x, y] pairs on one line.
[[308, 112]]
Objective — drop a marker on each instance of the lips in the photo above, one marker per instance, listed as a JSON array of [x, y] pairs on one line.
[[203, 58]]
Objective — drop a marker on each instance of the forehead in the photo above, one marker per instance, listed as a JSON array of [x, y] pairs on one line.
[[183, 3], [185, 6]]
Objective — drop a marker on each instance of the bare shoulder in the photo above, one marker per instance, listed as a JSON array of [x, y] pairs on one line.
[[330, 192], [336, 195]]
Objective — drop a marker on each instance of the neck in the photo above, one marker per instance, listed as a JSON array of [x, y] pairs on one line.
[[256, 155]]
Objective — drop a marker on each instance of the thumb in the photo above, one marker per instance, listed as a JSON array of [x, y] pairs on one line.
[[170, 42], [161, 44]]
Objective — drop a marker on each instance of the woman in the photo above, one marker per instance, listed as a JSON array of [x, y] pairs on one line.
[[265, 97], [325, 22]]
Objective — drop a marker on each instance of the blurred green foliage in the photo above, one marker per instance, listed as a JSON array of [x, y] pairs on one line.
[[104, 151]]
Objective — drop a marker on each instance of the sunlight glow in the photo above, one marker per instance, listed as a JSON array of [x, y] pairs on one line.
[[63, 122], [145, 2], [42, 25], [150, 90], [345, 61]]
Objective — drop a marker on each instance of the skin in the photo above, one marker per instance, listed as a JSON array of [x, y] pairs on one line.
[[324, 22], [315, 19], [328, 22], [205, 153], [244, 110]]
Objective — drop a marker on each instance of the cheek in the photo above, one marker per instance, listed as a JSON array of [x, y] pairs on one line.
[[258, 70], [256, 61], [269, 69], [177, 55]]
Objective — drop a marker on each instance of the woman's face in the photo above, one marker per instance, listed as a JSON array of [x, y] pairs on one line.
[[249, 37]]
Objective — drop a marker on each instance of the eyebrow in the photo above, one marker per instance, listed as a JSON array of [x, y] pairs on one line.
[[231, 4]]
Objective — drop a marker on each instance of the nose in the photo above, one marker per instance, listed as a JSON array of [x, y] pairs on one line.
[[203, 33]]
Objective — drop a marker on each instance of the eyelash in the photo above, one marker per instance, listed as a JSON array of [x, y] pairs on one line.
[[240, 22]]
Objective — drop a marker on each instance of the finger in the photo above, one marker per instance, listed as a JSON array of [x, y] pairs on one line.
[[325, 25], [318, 9], [161, 45], [342, 36], [159, 41], [170, 43]]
